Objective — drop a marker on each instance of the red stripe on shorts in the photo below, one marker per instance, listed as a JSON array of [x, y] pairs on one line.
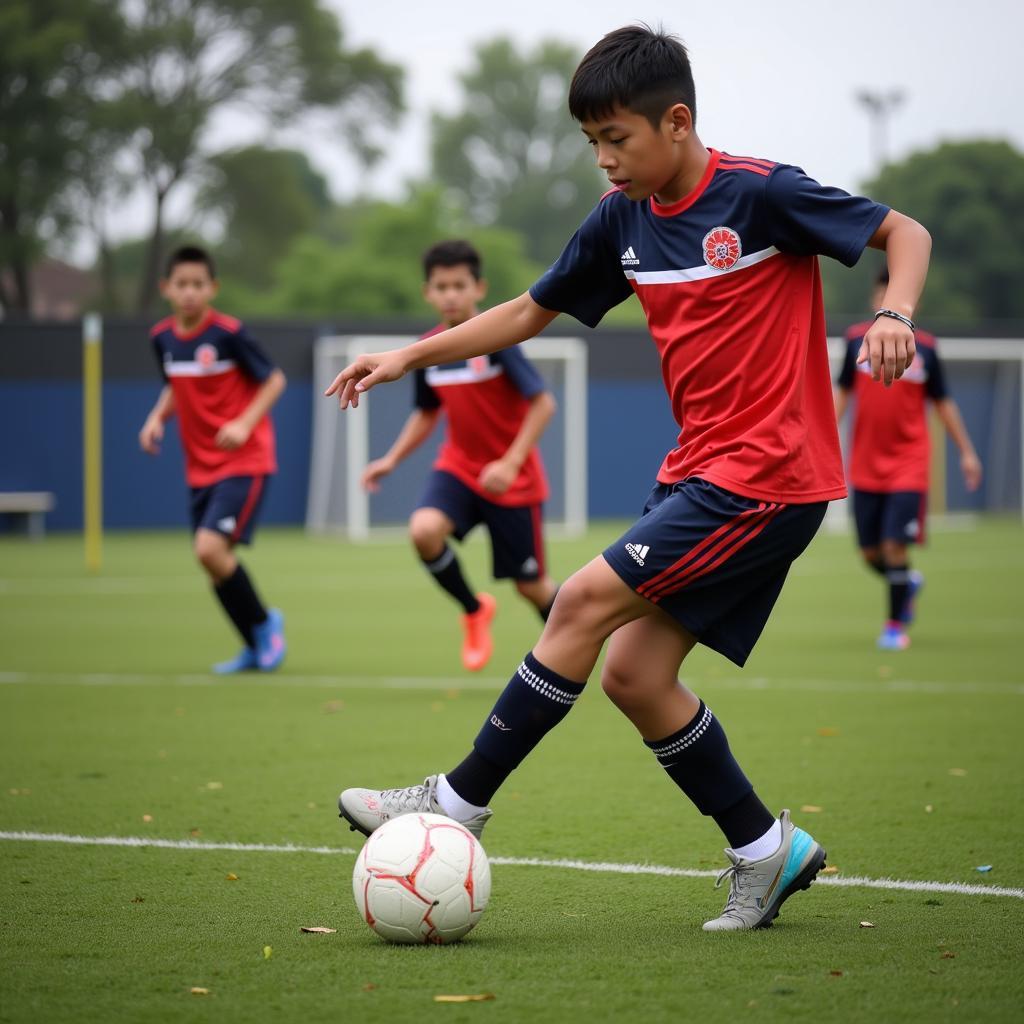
[[255, 488]]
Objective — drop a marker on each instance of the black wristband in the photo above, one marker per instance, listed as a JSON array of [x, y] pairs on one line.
[[895, 316]]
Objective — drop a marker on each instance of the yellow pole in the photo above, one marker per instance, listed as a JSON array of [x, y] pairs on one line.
[[92, 439]]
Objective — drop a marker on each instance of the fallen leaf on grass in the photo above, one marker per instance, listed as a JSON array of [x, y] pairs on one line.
[[810, 809], [197, 991], [268, 952], [928, 808], [948, 955], [959, 772], [866, 924], [482, 997], [828, 730], [231, 876], [194, 833], [830, 869], [369, 986], [215, 785], [147, 818], [318, 930], [835, 974], [139, 899], [332, 707]]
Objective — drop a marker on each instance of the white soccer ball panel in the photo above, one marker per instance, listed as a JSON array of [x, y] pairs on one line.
[[421, 878]]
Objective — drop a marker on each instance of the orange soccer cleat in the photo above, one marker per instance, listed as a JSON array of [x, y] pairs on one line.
[[477, 644]]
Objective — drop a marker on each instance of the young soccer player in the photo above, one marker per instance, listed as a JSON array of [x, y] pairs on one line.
[[722, 252], [489, 469], [221, 386], [889, 462]]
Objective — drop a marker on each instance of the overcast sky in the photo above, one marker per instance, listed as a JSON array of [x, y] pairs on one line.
[[777, 81]]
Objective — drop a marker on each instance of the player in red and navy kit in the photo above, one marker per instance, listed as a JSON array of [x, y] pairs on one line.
[[488, 469], [890, 457], [722, 253], [221, 386]]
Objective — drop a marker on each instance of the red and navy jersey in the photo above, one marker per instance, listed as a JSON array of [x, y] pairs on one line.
[[890, 450], [215, 371], [728, 279], [485, 399]]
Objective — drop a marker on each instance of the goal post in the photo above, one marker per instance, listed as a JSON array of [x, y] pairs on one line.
[[344, 442]]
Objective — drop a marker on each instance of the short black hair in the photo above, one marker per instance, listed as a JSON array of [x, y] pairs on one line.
[[635, 67], [452, 253], [191, 254]]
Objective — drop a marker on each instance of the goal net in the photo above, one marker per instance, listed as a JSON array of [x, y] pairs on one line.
[[344, 442]]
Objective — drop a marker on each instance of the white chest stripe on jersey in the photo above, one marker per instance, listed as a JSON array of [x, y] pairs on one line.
[[182, 368], [700, 273], [437, 376]]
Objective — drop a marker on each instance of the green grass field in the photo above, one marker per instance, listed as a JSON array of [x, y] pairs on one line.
[[909, 764]]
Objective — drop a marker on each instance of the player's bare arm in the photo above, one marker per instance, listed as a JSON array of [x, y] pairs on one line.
[[235, 433], [505, 325], [417, 428], [889, 343], [970, 465], [498, 476], [152, 432]]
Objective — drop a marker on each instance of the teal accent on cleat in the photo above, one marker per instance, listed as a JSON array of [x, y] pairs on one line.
[[270, 643], [893, 638], [244, 661], [915, 586], [758, 888]]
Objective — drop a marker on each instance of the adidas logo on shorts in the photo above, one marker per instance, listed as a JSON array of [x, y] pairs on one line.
[[638, 552]]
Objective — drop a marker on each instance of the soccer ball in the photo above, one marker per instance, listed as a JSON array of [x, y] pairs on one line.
[[421, 878]]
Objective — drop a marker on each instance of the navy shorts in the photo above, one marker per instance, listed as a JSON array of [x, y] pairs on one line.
[[517, 537], [713, 560], [229, 506], [898, 516]]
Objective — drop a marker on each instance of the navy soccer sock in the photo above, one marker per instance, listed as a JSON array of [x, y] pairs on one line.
[[534, 702], [448, 573], [898, 578], [239, 599], [698, 760]]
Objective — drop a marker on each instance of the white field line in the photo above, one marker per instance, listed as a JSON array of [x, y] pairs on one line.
[[922, 686], [604, 867]]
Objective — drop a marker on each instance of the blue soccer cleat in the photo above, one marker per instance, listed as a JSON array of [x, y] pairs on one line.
[[270, 644], [244, 661], [893, 638], [915, 586], [757, 888]]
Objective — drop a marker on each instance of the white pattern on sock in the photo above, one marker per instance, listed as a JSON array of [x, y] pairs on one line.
[[763, 847], [453, 805]]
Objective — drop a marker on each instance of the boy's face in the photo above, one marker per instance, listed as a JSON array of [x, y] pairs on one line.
[[189, 289], [638, 158], [454, 293]]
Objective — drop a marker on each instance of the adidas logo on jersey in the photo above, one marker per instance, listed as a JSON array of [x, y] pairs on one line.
[[628, 258], [638, 552]]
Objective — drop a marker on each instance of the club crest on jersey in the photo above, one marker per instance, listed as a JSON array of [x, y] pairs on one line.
[[722, 248], [478, 364], [206, 355]]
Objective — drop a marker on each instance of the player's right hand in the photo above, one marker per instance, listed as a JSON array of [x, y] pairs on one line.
[[150, 436], [364, 373], [372, 474]]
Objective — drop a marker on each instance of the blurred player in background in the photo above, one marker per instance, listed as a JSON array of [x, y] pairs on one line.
[[721, 252], [221, 386], [890, 457], [488, 469]]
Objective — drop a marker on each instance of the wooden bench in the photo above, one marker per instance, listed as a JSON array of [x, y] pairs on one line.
[[33, 505]]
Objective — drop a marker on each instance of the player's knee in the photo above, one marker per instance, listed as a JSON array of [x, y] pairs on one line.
[[211, 551], [619, 684], [579, 605], [427, 532]]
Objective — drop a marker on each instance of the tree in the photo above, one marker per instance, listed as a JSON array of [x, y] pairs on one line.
[[970, 196], [376, 271], [51, 52], [192, 58], [267, 197], [514, 156]]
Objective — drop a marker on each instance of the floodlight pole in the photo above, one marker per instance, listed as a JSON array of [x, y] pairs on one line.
[[879, 107]]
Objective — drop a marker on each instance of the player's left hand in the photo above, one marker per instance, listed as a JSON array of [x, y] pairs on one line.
[[498, 476], [970, 466], [232, 435], [889, 348]]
